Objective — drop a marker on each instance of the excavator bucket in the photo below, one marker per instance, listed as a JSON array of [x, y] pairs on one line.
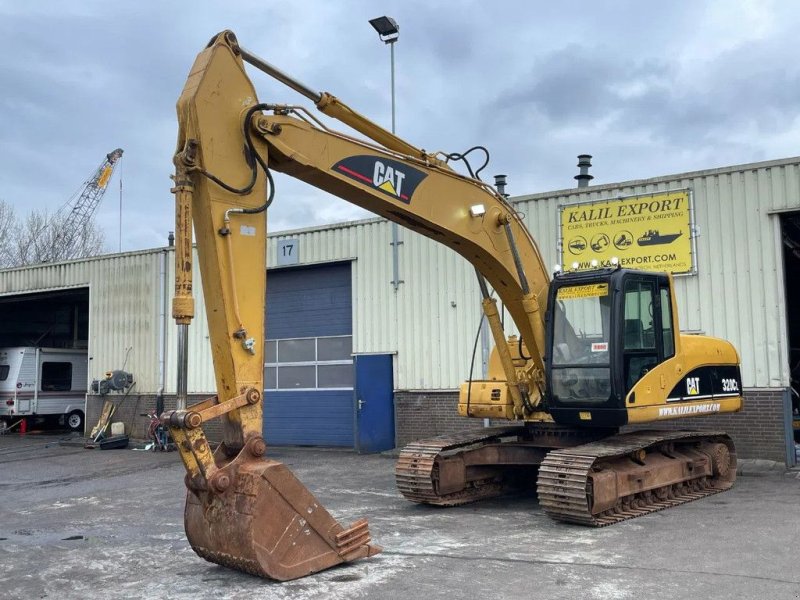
[[266, 523]]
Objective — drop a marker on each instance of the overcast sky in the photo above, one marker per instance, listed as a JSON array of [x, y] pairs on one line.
[[648, 88]]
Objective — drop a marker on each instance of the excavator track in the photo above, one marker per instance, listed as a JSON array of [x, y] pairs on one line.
[[415, 471], [566, 482]]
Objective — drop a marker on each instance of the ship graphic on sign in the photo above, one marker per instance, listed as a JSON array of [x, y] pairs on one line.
[[654, 238]]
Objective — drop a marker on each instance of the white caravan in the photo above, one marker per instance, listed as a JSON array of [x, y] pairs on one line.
[[43, 383]]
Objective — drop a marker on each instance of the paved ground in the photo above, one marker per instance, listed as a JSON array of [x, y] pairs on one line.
[[83, 524]]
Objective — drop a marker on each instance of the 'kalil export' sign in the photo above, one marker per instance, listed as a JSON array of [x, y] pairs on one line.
[[650, 232]]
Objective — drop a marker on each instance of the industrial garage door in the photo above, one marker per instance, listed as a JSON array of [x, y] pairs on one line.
[[54, 319], [308, 372]]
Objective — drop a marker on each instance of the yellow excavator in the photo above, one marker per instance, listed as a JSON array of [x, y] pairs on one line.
[[596, 350]]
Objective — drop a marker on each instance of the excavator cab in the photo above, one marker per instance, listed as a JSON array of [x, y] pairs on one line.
[[606, 329]]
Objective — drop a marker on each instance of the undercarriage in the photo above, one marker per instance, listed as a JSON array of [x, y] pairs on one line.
[[589, 477]]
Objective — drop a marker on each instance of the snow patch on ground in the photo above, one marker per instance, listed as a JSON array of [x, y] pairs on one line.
[[86, 500], [76, 573], [609, 591]]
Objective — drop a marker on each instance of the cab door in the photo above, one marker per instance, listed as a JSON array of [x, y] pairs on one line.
[[647, 329]]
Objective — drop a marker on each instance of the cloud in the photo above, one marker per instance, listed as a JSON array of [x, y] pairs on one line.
[[648, 89]]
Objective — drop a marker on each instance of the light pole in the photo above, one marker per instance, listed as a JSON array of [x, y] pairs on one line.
[[389, 31]]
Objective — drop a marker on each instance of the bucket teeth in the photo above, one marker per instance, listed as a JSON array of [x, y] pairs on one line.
[[353, 539]]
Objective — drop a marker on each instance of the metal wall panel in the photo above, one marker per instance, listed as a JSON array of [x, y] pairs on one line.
[[123, 308], [438, 316], [201, 365], [737, 293]]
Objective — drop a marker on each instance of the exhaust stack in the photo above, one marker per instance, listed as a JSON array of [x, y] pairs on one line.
[[584, 162], [500, 184]]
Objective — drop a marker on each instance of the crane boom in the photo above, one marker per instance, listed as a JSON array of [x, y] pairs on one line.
[[77, 214]]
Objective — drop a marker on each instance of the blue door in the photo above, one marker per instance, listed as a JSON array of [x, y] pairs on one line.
[[374, 395], [308, 372]]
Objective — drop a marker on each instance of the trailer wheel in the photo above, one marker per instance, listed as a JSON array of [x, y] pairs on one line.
[[75, 420]]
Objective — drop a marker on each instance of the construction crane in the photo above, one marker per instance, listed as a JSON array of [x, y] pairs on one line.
[[75, 216]]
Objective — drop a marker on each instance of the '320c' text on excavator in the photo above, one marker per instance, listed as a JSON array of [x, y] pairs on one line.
[[597, 350]]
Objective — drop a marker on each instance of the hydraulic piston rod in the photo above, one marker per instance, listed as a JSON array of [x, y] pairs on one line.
[[333, 107], [273, 71]]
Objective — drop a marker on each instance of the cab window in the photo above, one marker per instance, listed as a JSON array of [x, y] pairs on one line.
[[667, 332], [581, 372], [640, 349], [639, 331]]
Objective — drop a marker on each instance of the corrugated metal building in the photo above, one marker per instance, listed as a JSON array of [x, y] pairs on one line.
[[743, 217], [119, 294]]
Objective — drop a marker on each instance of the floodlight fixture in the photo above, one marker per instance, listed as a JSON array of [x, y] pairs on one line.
[[387, 29], [477, 210]]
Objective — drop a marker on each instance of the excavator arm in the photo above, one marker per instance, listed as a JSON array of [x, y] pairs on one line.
[[244, 510]]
